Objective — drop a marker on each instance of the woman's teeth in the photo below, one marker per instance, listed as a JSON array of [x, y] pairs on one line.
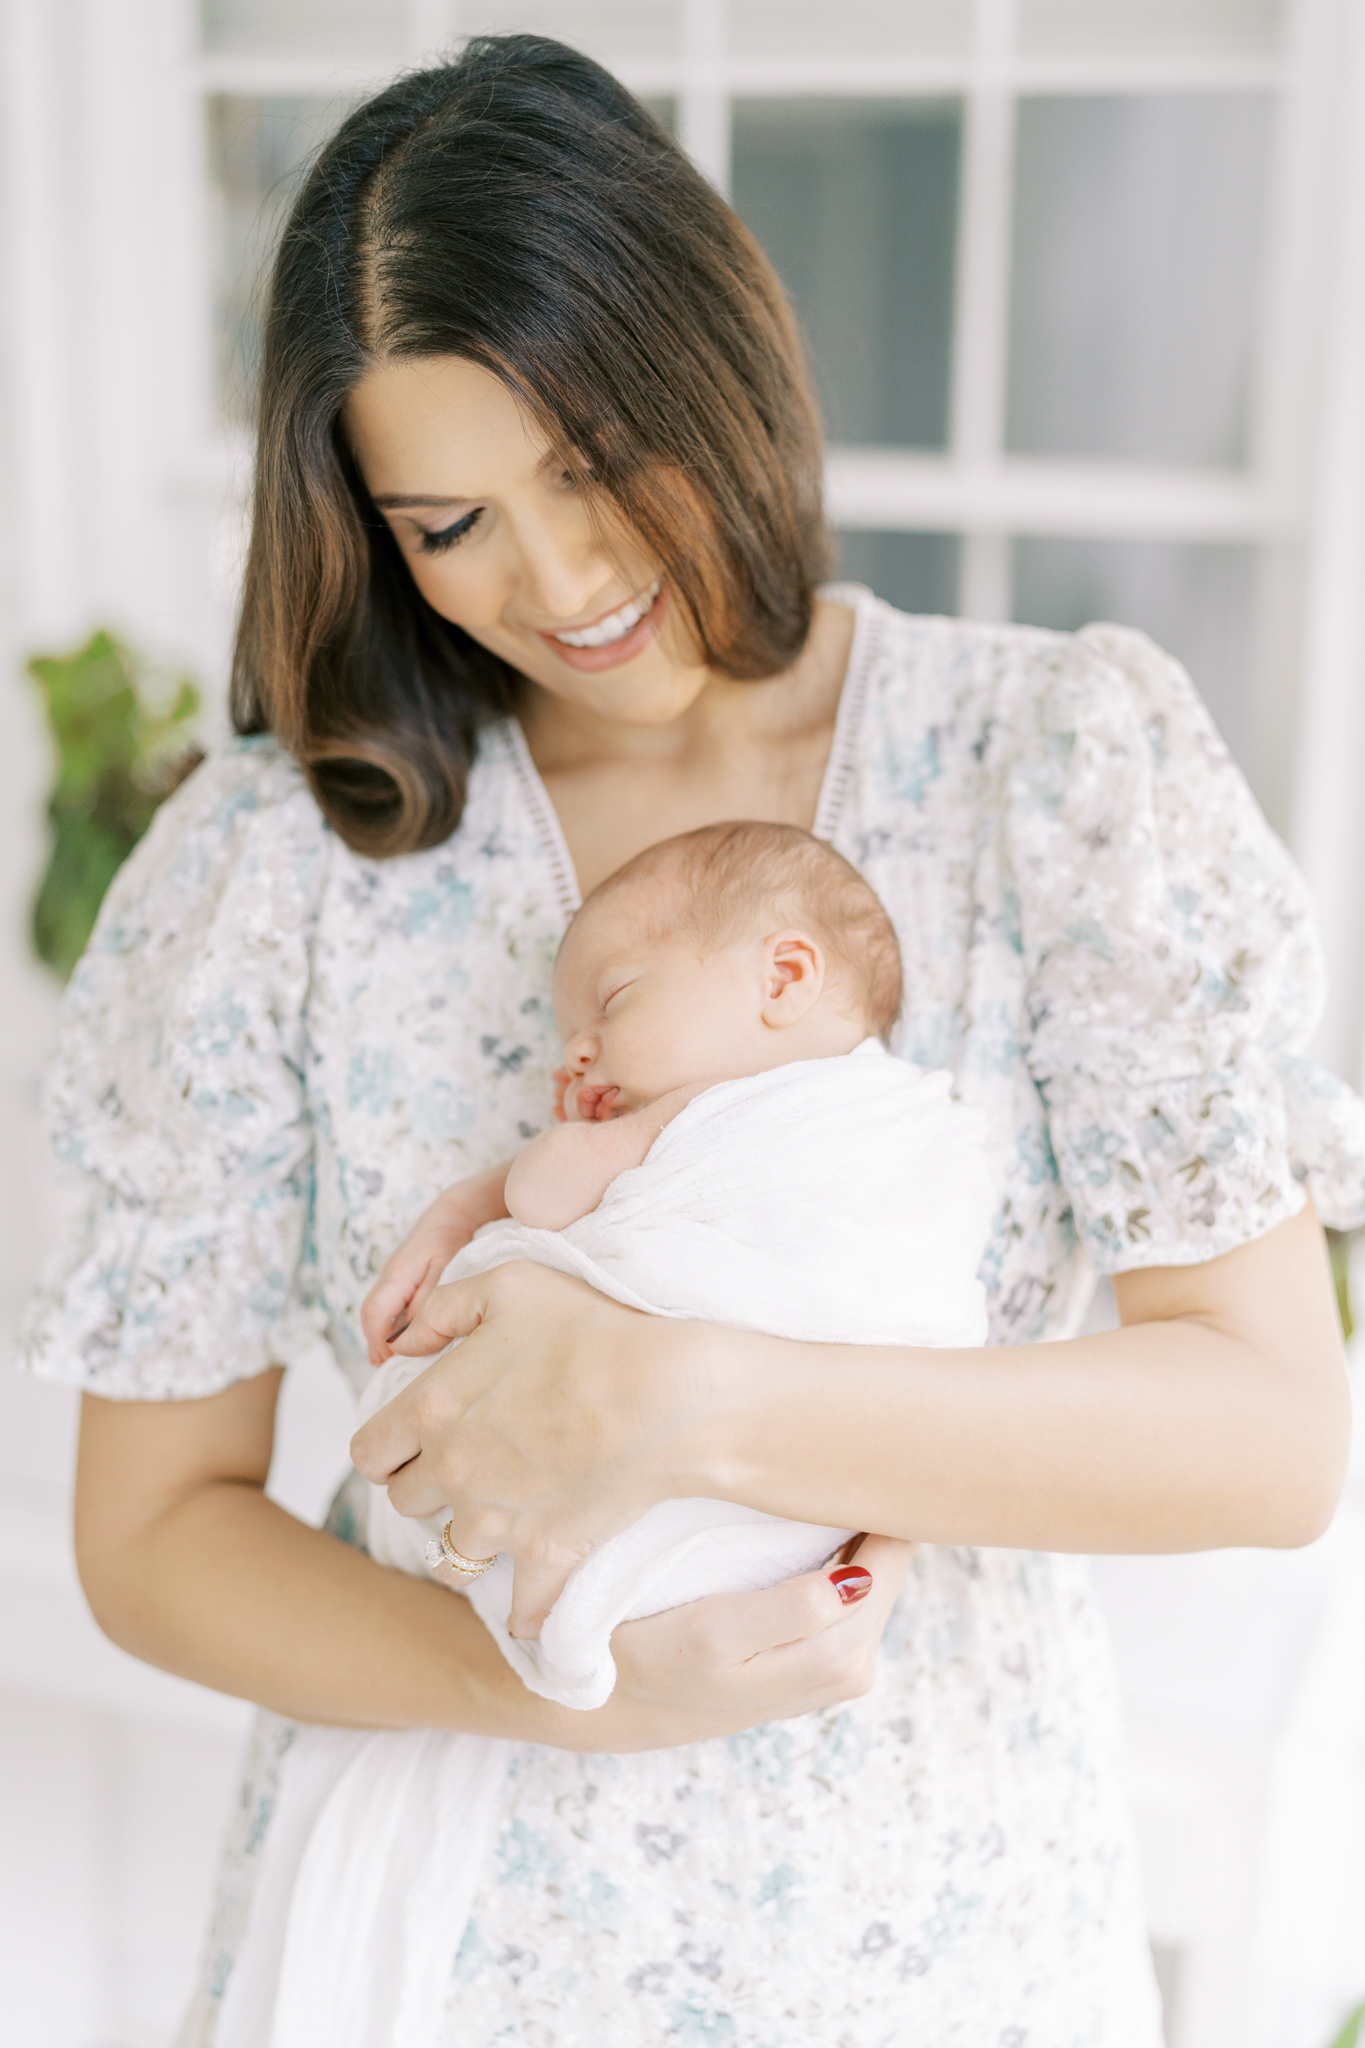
[[616, 625]]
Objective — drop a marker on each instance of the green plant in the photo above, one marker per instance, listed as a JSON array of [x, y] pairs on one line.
[[1339, 1251], [1354, 2030], [117, 759]]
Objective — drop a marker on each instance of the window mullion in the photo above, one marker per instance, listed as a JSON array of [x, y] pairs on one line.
[[981, 315]]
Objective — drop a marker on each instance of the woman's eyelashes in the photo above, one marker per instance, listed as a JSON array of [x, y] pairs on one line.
[[450, 536]]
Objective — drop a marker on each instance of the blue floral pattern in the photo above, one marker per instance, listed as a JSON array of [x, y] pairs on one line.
[[275, 1052]]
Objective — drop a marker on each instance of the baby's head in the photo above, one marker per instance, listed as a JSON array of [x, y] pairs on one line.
[[717, 954]]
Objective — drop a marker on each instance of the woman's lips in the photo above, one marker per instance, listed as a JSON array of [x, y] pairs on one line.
[[594, 660]]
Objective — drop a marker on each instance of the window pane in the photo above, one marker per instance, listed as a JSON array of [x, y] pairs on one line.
[[1138, 234], [613, 31], [322, 28], [664, 110], [916, 572], [1082, 28], [856, 203], [258, 149], [858, 28], [1194, 600]]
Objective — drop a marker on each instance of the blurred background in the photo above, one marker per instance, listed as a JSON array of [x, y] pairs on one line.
[[1084, 282]]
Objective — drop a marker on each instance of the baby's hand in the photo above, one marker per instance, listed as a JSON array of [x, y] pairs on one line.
[[403, 1285], [588, 1104], [413, 1271], [597, 1105]]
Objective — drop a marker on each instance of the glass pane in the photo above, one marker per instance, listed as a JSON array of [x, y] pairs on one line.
[[1138, 239], [320, 28], [1130, 28], [858, 28], [258, 149], [856, 203], [916, 572], [1194, 600], [614, 31], [664, 110]]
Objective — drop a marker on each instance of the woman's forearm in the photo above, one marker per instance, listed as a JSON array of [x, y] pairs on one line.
[[231, 1591], [187, 1565], [1220, 1417]]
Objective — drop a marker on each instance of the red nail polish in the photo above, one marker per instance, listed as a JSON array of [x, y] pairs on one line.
[[851, 1583]]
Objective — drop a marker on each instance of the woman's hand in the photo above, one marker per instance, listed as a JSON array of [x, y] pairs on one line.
[[740, 1659], [555, 1424], [411, 1273]]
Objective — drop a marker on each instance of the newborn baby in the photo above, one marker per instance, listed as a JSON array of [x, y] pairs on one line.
[[737, 1145]]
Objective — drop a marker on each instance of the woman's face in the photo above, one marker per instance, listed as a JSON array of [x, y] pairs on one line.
[[501, 540]]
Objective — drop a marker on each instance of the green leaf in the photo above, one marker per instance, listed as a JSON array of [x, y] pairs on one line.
[[1350, 2035], [116, 760], [1339, 1251]]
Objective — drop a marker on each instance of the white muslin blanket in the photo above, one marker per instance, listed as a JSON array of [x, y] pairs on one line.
[[844, 1200]]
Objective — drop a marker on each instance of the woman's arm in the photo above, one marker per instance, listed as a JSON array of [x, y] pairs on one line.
[[187, 1565], [1218, 1415]]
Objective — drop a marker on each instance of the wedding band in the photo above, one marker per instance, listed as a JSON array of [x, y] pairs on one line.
[[445, 1552]]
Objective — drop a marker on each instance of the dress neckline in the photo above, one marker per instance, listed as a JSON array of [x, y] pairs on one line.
[[833, 783]]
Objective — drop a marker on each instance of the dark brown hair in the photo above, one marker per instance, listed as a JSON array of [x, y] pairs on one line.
[[729, 875], [518, 208]]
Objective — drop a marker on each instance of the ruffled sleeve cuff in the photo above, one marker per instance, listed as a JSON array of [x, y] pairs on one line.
[[155, 1306], [1173, 1167]]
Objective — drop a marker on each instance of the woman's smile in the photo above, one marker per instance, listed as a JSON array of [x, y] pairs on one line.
[[615, 638]]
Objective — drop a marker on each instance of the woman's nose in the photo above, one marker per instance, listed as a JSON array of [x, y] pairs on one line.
[[563, 566]]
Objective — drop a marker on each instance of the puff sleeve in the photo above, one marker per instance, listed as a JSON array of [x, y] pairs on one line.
[[177, 1101], [1173, 973]]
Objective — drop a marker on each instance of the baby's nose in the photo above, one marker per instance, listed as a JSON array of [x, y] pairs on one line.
[[580, 1051]]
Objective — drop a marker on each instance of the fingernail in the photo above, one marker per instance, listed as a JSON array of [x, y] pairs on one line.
[[851, 1583]]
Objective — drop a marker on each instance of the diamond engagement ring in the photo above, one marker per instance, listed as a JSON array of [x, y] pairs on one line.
[[445, 1552]]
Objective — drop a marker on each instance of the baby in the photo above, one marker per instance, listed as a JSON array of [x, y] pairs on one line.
[[724, 953], [737, 1145]]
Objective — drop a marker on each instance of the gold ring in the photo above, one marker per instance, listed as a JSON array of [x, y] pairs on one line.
[[445, 1552]]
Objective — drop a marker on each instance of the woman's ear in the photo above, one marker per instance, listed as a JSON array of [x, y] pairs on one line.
[[793, 971]]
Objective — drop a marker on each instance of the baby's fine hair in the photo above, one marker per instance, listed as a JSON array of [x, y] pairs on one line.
[[731, 874]]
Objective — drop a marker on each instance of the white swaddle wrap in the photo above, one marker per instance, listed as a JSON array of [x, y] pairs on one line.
[[840, 1200]]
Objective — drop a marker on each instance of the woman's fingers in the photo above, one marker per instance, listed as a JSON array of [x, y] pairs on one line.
[[444, 1314], [740, 1626], [742, 1658]]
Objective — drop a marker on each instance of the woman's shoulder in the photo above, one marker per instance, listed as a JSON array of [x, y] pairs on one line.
[[245, 819], [1019, 677], [249, 785]]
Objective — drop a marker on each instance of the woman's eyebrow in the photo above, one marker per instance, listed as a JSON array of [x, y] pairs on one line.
[[399, 501]]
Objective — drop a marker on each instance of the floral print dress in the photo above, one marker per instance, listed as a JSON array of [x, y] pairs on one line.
[[276, 1051]]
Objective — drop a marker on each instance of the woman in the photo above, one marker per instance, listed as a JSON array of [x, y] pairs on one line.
[[532, 585]]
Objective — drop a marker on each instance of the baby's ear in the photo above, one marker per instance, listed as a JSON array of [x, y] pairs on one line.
[[793, 974]]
